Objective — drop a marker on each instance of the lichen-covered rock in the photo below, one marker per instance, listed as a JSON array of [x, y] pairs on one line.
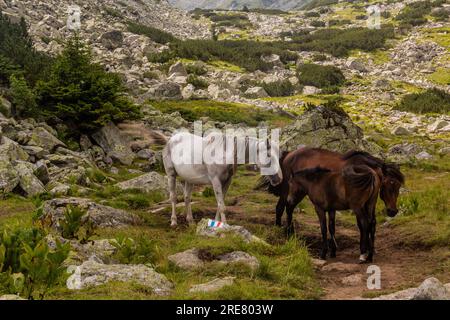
[[256, 92], [40, 137], [239, 257], [204, 230], [100, 215], [213, 285], [327, 128], [149, 182], [112, 40], [28, 182], [188, 260], [431, 289], [9, 178], [11, 150], [114, 143], [91, 274]]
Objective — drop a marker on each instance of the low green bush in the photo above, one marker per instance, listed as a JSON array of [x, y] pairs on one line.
[[157, 35], [325, 77], [429, 101], [279, 88], [197, 82]]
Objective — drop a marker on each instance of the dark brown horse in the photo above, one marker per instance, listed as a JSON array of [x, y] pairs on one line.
[[355, 187], [304, 158]]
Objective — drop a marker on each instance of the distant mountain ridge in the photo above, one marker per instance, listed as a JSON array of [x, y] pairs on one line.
[[238, 4]]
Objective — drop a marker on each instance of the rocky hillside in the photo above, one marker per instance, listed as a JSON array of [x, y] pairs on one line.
[[84, 117], [238, 4]]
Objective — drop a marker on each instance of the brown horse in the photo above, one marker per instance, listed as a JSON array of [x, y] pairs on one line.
[[355, 187], [304, 158]]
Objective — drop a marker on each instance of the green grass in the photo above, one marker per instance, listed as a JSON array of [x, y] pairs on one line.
[[441, 76], [219, 111]]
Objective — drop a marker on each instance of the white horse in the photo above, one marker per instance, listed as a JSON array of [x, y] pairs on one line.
[[205, 161]]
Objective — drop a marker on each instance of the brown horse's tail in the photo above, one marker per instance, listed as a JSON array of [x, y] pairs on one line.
[[360, 177], [264, 184]]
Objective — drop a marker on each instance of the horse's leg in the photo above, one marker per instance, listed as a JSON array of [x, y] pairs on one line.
[[322, 215], [173, 199], [363, 226], [372, 230], [280, 209], [291, 204], [171, 175], [187, 201], [217, 186], [331, 227]]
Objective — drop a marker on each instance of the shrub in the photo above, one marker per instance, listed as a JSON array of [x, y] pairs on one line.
[[23, 98], [155, 34], [413, 14], [317, 24], [196, 68], [279, 88], [430, 101], [318, 3], [17, 52], [440, 14], [27, 264], [320, 76], [74, 226], [197, 82], [129, 251], [312, 14], [81, 94]]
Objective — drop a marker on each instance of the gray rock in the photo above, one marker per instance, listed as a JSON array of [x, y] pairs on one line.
[[327, 128], [356, 64], [145, 154], [177, 69], [85, 142], [114, 143], [438, 125], [35, 151], [101, 216], [11, 297], [9, 177], [167, 90], [423, 156], [40, 137], [59, 189], [213, 285], [239, 257], [401, 131], [352, 280], [431, 289], [91, 274], [204, 230], [188, 260], [308, 90], [41, 172], [11, 150], [112, 40], [149, 182], [28, 182], [255, 93]]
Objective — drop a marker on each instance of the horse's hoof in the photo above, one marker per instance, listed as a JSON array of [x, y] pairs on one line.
[[173, 225], [363, 258]]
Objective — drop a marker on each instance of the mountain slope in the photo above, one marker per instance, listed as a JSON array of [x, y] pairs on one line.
[[238, 4]]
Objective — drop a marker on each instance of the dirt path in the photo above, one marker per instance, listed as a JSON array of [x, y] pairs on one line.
[[400, 267]]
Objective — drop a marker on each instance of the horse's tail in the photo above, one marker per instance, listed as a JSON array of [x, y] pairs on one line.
[[264, 184], [360, 177]]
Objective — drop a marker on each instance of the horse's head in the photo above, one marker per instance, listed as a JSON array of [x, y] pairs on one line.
[[270, 165], [392, 180]]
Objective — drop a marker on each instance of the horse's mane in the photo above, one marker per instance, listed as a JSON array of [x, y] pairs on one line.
[[264, 184], [391, 170], [312, 173]]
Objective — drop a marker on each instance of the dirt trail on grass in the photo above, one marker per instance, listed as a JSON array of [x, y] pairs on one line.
[[400, 267]]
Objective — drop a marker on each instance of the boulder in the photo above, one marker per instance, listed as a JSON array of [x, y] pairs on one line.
[[329, 128], [9, 177], [423, 156], [91, 274], [308, 90], [101, 216], [401, 131], [41, 172], [40, 137], [437, 126], [204, 230], [239, 257], [115, 145], [149, 182], [273, 59], [177, 69], [112, 40], [355, 64], [5, 107], [28, 182], [167, 90], [255, 93], [11, 150], [213, 285], [188, 260], [431, 289]]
